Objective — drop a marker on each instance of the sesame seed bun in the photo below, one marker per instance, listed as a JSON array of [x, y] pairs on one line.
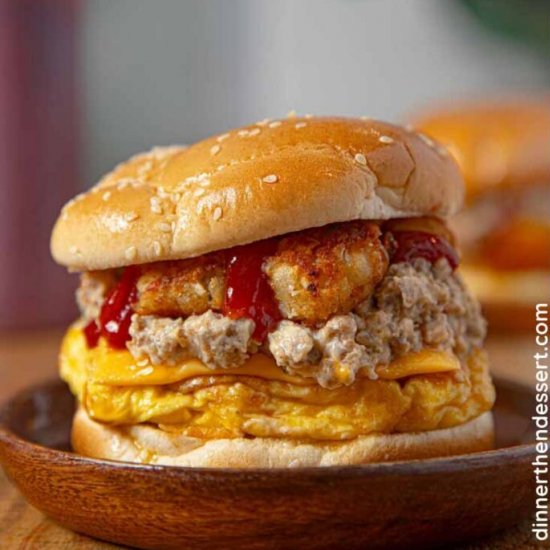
[[144, 443], [253, 183], [496, 144]]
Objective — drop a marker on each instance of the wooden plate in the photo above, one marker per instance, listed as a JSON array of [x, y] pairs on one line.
[[416, 504]]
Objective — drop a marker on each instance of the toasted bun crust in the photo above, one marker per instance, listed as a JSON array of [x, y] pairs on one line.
[[260, 181], [152, 445], [496, 144]]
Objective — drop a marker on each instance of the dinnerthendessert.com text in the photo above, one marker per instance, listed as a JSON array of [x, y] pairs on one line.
[[540, 418]]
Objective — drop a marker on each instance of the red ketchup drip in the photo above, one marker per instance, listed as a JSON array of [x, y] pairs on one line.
[[115, 315], [92, 333], [248, 293], [417, 244]]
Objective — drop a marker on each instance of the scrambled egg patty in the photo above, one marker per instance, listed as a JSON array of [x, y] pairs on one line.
[[245, 405]]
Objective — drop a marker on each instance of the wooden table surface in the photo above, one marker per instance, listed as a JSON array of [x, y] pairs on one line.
[[29, 357]]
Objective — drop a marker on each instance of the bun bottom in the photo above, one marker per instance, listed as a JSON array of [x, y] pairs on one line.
[[147, 444]]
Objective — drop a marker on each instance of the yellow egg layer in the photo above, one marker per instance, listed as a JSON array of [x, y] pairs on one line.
[[423, 391]]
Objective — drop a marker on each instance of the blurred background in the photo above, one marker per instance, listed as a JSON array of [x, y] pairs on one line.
[[87, 83]]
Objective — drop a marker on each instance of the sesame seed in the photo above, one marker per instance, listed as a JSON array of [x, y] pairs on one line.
[[361, 159], [300, 125], [426, 139], [263, 122], [254, 132], [199, 192], [291, 114], [220, 168], [442, 150], [143, 363], [215, 149], [130, 253], [271, 178], [385, 139], [242, 133], [309, 115], [131, 216], [146, 371], [164, 227], [156, 208], [222, 137], [364, 117], [106, 196], [157, 248], [218, 212], [274, 124], [123, 183], [145, 167], [161, 153]]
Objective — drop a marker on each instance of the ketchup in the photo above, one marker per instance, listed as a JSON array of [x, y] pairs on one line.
[[418, 244], [115, 315], [248, 293], [92, 333]]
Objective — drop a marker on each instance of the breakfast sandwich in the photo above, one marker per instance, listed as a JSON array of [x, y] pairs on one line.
[[503, 149], [285, 294]]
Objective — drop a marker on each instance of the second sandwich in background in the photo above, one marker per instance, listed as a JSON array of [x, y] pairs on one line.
[[503, 149]]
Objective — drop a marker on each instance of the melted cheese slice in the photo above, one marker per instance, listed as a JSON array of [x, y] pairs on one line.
[[103, 365], [423, 362]]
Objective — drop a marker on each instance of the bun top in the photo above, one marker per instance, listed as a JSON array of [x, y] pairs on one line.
[[497, 144], [267, 179]]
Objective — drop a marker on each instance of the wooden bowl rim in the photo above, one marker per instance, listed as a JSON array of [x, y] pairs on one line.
[[500, 456]]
